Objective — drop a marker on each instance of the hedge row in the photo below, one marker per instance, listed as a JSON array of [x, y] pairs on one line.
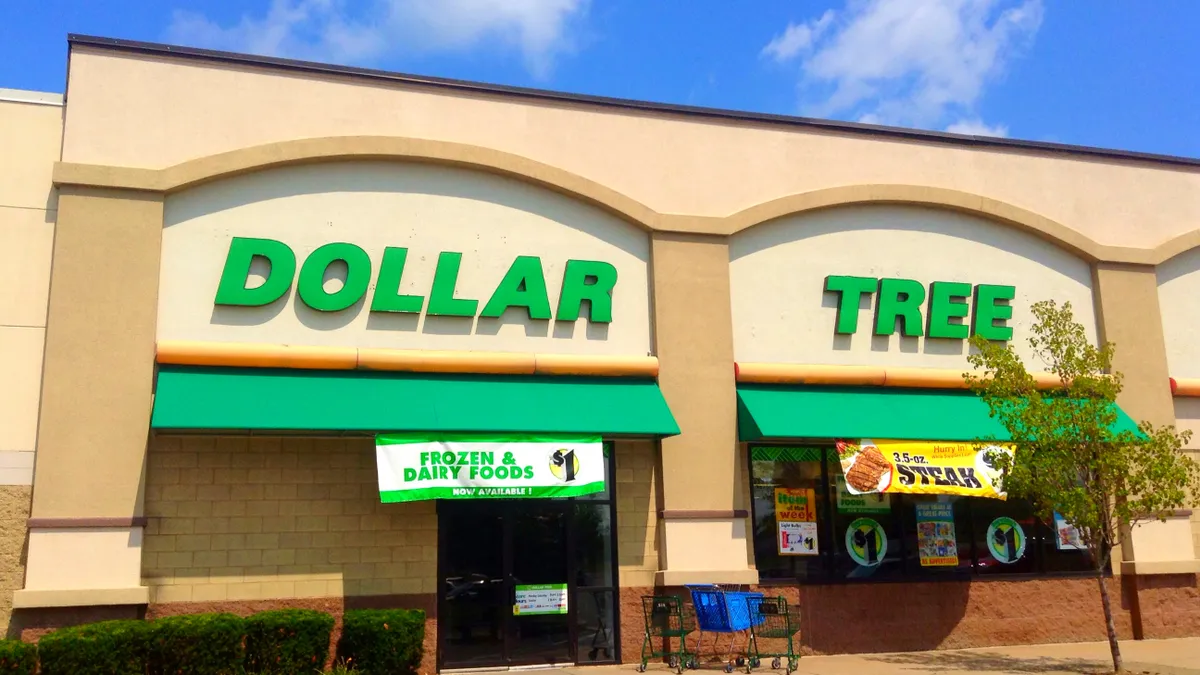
[[283, 642]]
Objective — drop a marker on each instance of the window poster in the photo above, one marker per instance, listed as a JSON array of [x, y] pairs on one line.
[[796, 521], [936, 541], [1006, 540], [533, 600], [866, 542], [848, 502], [797, 538], [1067, 536]]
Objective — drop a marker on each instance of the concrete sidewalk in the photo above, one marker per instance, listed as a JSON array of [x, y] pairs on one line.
[[1159, 657]]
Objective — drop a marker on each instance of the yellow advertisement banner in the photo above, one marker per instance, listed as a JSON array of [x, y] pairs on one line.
[[795, 504], [922, 467]]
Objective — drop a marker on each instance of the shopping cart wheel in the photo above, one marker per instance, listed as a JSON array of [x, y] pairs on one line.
[[793, 665], [729, 667], [641, 668], [673, 662], [741, 661], [775, 663], [692, 665]]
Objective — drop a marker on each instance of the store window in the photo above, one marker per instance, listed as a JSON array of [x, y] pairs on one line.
[[780, 477], [809, 528]]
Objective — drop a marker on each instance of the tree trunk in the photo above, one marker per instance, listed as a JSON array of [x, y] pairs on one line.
[[1108, 621]]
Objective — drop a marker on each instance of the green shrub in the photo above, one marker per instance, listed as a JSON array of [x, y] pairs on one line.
[[287, 641], [105, 648], [17, 658], [382, 641], [196, 644]]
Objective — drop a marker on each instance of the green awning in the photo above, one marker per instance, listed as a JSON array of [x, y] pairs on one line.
[[780, 412], [262, 399]]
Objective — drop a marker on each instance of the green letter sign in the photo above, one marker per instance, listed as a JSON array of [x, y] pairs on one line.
[[311, 287], [242, 252], [899, 299], [387, 287], [948, 305], [850, 291], [989, 310], [523, 286], [441, 298], [587, 280], [902, 300]]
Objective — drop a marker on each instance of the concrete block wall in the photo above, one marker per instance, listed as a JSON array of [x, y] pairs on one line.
[[239, 518], [637, 512]]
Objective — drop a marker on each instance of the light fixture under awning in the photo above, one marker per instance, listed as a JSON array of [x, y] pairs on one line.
[[264, 400]]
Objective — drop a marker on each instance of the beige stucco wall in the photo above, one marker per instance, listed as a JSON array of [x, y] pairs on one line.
[[237, 518], [30, 134], [781, 313], [1178, 289], [427, 209], [673, 165]]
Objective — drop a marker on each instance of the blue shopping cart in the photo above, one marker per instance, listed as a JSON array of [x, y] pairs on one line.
[[720, 611]]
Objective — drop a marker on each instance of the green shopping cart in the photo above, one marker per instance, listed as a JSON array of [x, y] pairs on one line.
[[665, 622]]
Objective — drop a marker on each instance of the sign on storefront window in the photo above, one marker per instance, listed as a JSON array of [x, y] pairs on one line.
[[922, 467], [416, 467]]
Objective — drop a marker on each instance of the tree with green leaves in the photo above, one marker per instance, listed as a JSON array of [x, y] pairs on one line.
[[1070, 455]]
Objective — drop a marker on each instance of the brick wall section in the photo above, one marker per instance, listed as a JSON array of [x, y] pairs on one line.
[[14, 512], [238, 518], [1170, 605], [887, 617], [637, 512]]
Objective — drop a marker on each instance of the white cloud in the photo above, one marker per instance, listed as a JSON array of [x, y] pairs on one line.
[[977, 127], [797, 37], [910, 62], [365, 31]]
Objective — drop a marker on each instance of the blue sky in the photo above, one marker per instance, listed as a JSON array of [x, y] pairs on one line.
[[1110, 73]]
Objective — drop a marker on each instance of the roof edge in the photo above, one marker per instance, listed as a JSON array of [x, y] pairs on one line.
[[855, 128], [30, 96]]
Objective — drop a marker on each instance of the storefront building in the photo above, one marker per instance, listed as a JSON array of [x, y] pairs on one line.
[[245, 295]]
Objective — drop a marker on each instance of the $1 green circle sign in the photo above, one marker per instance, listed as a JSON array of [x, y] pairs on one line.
[[1006, 540], [865, 542]]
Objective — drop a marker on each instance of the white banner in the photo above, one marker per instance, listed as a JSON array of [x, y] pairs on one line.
[[415, 467]]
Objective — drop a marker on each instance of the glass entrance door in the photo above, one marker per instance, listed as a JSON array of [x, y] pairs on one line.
[[502, 563]]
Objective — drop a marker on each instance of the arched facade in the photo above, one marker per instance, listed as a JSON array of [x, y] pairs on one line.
[[512, 241]]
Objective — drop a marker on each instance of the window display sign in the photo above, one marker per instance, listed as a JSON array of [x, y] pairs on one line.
[[797, 538], [540, 599], [866, 542], [795, 504], [796, 520], [922, 467], [936, 542], [848, 502], [1006, 540], [415, 467], [1067, 536]]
